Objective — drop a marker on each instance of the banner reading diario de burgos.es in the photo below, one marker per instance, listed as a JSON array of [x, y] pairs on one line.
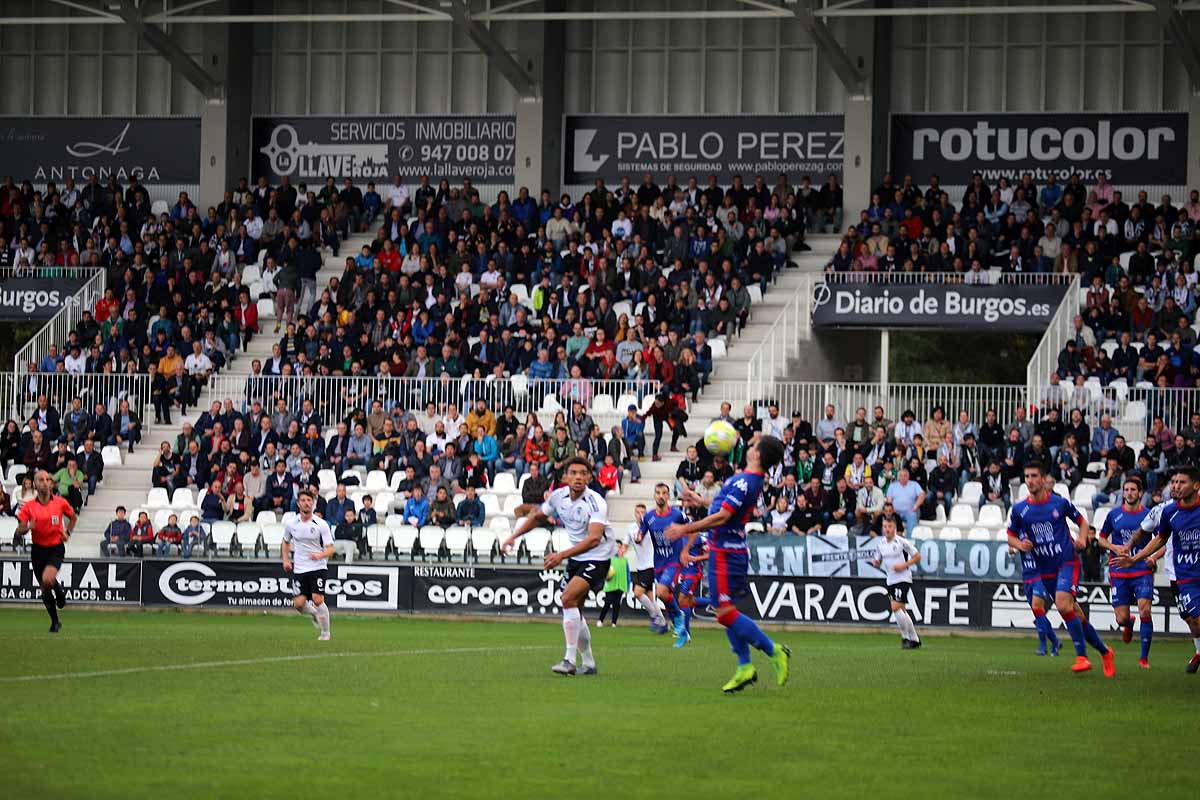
[[311, 149], [1005, 307], [609, 147]]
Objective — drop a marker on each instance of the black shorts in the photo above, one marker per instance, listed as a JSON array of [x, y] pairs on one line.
[[644, 578], [594, 572], [310, 583], [899, 592], [43, 557]]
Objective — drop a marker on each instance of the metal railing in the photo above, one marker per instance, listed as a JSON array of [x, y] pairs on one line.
[[60, 388], [987, 277], [58, 328], [782, 341], [337, 398], [809, 399], [1045, 358], [72, 273]]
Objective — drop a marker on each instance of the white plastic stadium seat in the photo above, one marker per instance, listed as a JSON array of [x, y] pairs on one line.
[[491, 505], [718, 348], [921, 532], [482, 540], [327, 480], [377, 539], [110, 455], [972, 491], [1100, 516], [950, 532], [1084, 493], [559, 539], [377, 480], [157, 498], [837, 530], [1062, 490], [504, 484], [457, 537], [159, 207], [272, 534], [979, 535], [182, 498], [962, 514], [536, 541], [602, 404], [405, 536], [247, 533], [991, 516], [161, 518], [266, 308], [500, 525], [265, 518], [510, 505], [431, 537], [222, 535], [1135, 411]]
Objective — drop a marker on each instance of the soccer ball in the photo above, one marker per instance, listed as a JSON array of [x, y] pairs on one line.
[[720, 437], [612, 573]]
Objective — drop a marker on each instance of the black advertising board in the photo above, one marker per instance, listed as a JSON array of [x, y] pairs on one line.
[[1144, 148], [1003, 307], [310, 149], [610, 146], [158, 150]]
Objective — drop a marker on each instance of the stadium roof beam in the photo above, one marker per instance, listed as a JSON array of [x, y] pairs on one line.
[[169, 49], [497, 55], [849, 74], [1177, 29], [87, 9], [854, 9]]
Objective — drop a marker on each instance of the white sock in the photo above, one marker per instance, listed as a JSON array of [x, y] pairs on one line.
[[651, 606], [323, 617], [1196, 641], [586, 659], [907, 629], [571, 622], [310, 609]]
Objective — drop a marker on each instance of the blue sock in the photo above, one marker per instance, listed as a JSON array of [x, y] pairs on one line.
[[1043, 628], [739, 646], [672, 608], [1075, 628], [1050, 633], [687, 618], [746, 628], [1093, 638], [1147, 632]]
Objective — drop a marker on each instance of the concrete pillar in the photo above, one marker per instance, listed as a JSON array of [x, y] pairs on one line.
[[225, 122], [857, 179], [1193, 150], [542, 53]]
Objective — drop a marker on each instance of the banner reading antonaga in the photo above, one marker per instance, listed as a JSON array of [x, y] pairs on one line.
[[609, 147], [310, 149], [1143, 148], [163, 150], [1008, 308], [86, 581]]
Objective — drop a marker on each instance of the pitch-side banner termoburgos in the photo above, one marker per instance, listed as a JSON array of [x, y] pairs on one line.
[[609, 147], [1006, 307], [310, 149], [162, 150], [261, 584], [86, 581], [1145, 149]]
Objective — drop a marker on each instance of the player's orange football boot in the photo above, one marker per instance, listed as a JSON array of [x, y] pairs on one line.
[[1193, 665], [1081, 664], [1126, 633], [1110, 664], [1144, 663]]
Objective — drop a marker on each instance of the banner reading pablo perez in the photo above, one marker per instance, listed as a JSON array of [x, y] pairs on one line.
[[310, 149], [608, 147], [1145, 148]]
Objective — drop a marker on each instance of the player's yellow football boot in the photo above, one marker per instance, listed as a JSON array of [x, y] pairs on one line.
[[782, 662], [746, 674]]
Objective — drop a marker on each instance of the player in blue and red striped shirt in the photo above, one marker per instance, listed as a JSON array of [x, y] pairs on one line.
[[1039, 593], [729, 560], [1121, 529], [1180, 523], [1038, 525]]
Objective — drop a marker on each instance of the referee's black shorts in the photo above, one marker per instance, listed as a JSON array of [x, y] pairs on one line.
[[42, 557]]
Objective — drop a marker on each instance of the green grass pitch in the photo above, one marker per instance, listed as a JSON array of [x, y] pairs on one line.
[[182, 705]]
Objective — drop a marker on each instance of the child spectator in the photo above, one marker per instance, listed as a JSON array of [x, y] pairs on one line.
[[143, 534], [115, 541], [168, 535]]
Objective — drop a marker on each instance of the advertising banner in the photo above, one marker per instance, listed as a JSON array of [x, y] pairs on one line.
[[157, 150], [1007, 308], [851, 557], [310, 149], [1145, 148], [262, 584], [35, 298], [473, 590], [1009, 608], [860, 601], [86, 581], [609, 147]]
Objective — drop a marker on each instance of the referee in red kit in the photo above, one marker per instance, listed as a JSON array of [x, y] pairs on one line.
[[51, 519]]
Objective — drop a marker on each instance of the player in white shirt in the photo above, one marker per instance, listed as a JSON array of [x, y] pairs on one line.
[[1166, 554], [309, 539], [641, 567], [897, 556], [584, 514]]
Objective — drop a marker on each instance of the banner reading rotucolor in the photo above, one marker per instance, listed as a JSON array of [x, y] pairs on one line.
[[156, 150], [1142, 148], [311, 149], [1006, 307], [609, 147]]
